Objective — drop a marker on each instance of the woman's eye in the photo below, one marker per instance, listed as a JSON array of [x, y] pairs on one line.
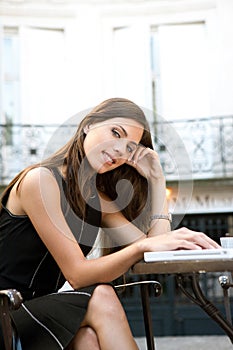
[[130, 149], [116, 133]]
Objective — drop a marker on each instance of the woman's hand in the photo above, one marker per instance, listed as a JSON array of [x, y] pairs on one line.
[[146, 162], [182, 238]]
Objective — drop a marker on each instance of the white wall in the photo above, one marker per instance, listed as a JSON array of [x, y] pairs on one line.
[[222, 56], [94, 66]]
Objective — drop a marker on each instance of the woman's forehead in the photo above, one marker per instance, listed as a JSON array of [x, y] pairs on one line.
[[127, 122]]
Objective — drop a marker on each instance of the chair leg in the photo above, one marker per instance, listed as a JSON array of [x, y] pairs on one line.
[[147, 316], [144, 288], [225, 284], [10, 299], [6, 323]]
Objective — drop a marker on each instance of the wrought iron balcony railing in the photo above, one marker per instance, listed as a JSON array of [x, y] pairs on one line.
[[197, 149], [189, 149]]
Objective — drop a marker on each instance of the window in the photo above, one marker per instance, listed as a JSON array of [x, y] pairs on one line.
[[32, 89], [180, 70], [32, 75], [131, 62], [10, 104], [43, 74]]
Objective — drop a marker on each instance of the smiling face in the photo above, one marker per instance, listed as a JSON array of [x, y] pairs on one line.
[[109, 144]]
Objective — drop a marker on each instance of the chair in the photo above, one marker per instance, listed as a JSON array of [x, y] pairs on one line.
[[225, 283], [145, 300], [11, 299]]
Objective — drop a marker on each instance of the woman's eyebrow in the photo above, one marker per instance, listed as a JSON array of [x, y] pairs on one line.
[[123, 129], [126, 134]]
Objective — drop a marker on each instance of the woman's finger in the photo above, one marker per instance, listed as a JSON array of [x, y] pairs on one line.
[[199, 238]]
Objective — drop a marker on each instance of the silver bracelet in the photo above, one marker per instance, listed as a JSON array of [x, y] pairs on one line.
[[161, 216]]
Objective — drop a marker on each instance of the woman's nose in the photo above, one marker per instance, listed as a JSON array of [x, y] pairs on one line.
[[120, 148]]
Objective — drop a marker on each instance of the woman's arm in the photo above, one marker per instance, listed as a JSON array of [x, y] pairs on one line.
[[159, 207], [146, 161], [39, 197], [122, 232]]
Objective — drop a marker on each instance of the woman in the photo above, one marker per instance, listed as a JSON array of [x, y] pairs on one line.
[[107, 176]]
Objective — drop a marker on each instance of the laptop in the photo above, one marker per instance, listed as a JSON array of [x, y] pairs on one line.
[[204, 254]]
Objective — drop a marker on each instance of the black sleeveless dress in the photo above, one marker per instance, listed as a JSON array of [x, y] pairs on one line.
[[47, 320]]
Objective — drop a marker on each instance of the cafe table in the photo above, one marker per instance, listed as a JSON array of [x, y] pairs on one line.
[[182, 270]]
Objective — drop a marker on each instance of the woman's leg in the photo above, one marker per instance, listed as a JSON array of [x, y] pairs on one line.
[[85, 339], [106, 316]]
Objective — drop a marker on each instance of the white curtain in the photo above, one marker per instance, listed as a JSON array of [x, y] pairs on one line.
[[132, 64], [42, 72], [184, 71]]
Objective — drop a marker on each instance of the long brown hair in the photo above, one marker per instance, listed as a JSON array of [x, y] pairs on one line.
[[79, 178]]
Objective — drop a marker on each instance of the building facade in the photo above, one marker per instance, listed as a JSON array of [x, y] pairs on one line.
[[173, 58]]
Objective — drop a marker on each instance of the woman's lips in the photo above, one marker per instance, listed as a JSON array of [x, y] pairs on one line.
[[108, 159]]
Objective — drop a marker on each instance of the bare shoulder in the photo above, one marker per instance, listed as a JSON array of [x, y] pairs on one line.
[[38, 188], [37, 176], [29, 187], [38, 173], [37, 183]]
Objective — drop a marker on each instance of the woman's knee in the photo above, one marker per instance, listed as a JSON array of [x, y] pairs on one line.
[[105, 304], [105, 294], [104, 291]]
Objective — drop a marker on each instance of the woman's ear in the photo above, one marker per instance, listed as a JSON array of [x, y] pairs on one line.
[[86, 129]]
